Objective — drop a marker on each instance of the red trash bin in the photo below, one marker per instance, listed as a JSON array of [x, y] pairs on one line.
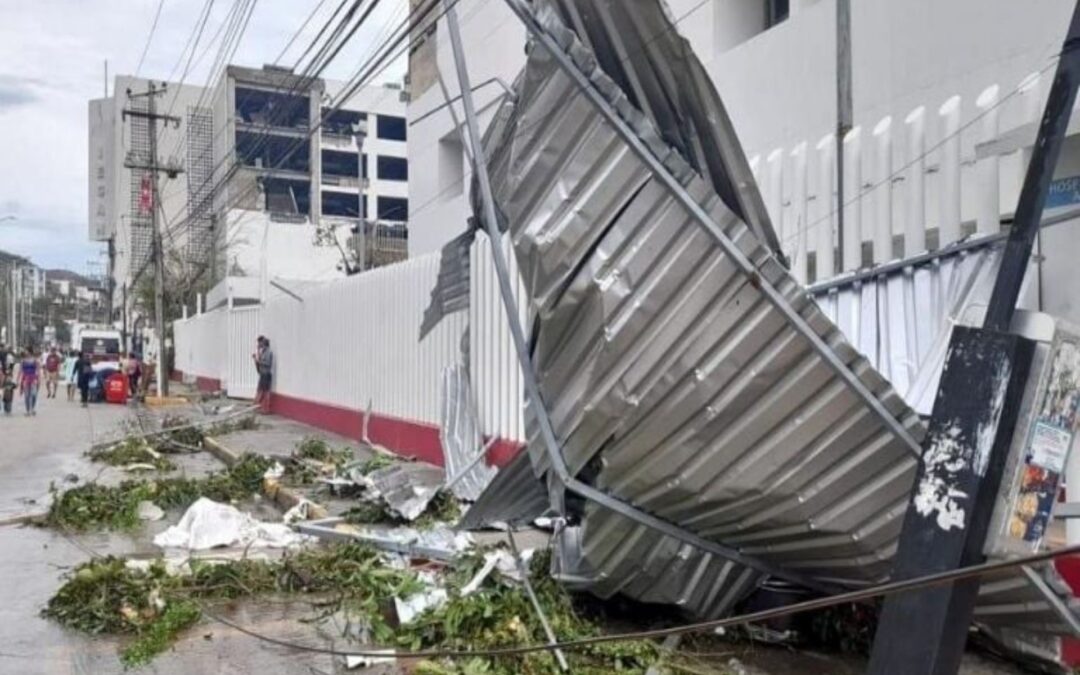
[[116, 388]]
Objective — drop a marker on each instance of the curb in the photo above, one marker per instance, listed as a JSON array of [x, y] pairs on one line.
[[25, 519], [284, 497], [161, 402]]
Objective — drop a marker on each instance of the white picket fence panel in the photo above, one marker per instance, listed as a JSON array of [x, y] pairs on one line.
[[901, 180]]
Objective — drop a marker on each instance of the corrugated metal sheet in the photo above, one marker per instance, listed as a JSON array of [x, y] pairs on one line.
[[496, 374], [901, 320], [245, 324], [688, 378], [346, 342], [356, 339], [460, 435], [198, 345], [672, 378], [515, 496]]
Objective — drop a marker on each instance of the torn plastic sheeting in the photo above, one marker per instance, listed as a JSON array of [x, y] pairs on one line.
[[207, 524], [467, 472], [413, 606], [500, 560], [407, 487]]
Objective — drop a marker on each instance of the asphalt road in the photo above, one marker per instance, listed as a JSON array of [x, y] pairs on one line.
[[37, 451]]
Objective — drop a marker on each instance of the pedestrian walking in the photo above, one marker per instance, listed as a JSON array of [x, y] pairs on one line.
[[52, 373], [133, 370], [8, 393], [264, 366], [29, 380], [84, 370], [67, 372]]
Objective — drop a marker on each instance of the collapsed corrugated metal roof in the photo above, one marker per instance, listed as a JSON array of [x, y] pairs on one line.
[[686, 373], [675, 381]]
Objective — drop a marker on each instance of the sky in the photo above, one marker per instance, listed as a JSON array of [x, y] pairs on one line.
[[52, 61]]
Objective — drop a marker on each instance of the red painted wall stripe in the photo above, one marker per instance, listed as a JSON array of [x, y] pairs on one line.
[[409, 438]]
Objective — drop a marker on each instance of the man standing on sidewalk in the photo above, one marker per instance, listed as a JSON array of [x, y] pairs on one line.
[[264, 365]]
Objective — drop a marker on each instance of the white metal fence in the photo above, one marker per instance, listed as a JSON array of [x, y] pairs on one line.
[[910, 184], [346, 343]]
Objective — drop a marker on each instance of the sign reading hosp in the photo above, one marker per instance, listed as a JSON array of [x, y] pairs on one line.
[[1063, 192], [101, 217]]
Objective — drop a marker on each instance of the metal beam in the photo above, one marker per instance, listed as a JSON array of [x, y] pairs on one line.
[[1040, 172], [1052, 599], [678, 191], [532, 388], [916, 260]]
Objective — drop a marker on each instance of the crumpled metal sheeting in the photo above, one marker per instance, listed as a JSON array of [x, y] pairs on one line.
[[461, 437], [1009, 599], [659, 355], [636, 49], [451, 291], [609, 554], [514, 496]]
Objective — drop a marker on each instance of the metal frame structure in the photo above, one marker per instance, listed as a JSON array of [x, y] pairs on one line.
[[561, 474], [678, 191]]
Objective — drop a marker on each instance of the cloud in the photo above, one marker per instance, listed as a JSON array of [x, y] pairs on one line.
[[16, 91]]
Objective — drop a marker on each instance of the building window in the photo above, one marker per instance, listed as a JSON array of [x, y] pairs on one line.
[[392, 168], [336, 163], [390, 128], [392, 208], [776, 11], [342, 204]]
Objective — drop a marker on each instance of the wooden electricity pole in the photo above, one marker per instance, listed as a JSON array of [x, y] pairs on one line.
[[152, 165]]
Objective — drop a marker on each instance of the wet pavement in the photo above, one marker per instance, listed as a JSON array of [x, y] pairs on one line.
[[40, 450]]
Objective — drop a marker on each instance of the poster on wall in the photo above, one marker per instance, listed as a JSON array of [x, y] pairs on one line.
[[1051, 437]]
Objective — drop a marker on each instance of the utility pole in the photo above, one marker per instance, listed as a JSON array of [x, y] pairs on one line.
[[843, 117], [970, 432], [152, 165]]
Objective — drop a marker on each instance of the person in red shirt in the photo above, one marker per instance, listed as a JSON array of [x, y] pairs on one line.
[[52, 372]]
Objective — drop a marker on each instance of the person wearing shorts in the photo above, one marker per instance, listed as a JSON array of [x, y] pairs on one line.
[[52, 373]]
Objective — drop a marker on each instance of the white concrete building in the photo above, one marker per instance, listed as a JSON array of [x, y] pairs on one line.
[[249, 161], [774, 65]]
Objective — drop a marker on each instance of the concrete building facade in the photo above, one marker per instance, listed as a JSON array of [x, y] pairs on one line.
[[774, 65], [260, 191]]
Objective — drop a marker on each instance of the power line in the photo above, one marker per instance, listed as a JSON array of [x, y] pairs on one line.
[[861, 595], [372, 71], [150, 37]]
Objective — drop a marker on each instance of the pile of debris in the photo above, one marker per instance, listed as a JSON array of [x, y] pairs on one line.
[[123, 507]]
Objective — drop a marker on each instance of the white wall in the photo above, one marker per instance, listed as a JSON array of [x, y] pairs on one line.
[[439, 175], [779, 86], [290, 249]]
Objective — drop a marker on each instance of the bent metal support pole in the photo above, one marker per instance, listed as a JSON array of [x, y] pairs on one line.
[[710, 226], [532, 388]]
